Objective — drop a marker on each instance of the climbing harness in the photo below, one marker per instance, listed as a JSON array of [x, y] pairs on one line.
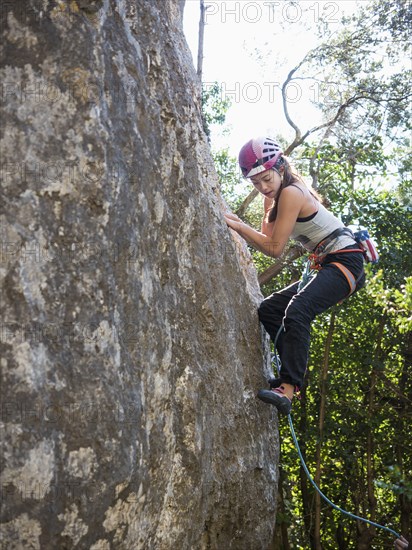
[[313, 265], [307, 275], [314, 262], [365, 245]]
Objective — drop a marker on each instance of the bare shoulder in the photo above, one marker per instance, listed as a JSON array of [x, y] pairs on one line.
[[293, 192], [298, 198], [299, 189], [297, 185]]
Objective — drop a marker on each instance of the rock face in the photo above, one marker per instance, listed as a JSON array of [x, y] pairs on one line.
[[131, 347]]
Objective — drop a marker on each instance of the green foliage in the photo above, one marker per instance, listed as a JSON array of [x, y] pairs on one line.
[[233, 187], [341, 164], [398, 484], [403, 165], [361, 72], [396, 303], [214, 106], [386, 218]]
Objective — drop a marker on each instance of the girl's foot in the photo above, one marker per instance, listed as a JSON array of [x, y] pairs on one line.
[[277, 397]]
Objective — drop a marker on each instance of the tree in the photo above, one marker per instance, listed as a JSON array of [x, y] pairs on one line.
[[360, 101]]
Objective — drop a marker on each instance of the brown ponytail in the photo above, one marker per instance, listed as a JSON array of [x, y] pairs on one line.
[[288, 178]]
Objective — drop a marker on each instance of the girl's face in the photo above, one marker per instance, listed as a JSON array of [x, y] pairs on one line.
[[267, 183]]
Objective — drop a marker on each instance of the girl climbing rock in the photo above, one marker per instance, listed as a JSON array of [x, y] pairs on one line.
[[292, 209]]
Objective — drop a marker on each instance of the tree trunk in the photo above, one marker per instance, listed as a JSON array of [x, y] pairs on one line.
[[322, 410], [340, 537], [307, 494], [368, 532], [201, 40], [404, 416], [281, 538]]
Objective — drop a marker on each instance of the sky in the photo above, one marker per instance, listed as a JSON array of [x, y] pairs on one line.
[[249, 47]]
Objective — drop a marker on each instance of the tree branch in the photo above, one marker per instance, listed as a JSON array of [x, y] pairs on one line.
[[201, 40], [292, 254], [241, 211], [298, 133]]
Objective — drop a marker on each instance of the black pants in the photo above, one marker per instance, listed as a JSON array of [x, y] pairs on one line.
[[298, 309]]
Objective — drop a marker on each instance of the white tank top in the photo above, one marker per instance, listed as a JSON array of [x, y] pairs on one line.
[[311, 231]]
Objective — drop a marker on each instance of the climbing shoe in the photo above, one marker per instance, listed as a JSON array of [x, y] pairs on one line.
[[277, 397]]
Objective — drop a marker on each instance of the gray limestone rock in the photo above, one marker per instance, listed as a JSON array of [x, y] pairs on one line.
[[131, 346]]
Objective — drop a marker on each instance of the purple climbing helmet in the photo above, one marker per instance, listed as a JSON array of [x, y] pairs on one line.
[[259, 154]]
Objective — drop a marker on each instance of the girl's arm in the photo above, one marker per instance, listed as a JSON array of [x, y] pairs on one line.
[[258, 240], [266, 227], [290, 204]]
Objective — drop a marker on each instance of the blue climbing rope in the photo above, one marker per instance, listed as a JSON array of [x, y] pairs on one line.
[[295, 439]]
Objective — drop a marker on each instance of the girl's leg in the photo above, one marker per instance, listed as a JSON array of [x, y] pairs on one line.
[[326, 289], [272, 311]]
